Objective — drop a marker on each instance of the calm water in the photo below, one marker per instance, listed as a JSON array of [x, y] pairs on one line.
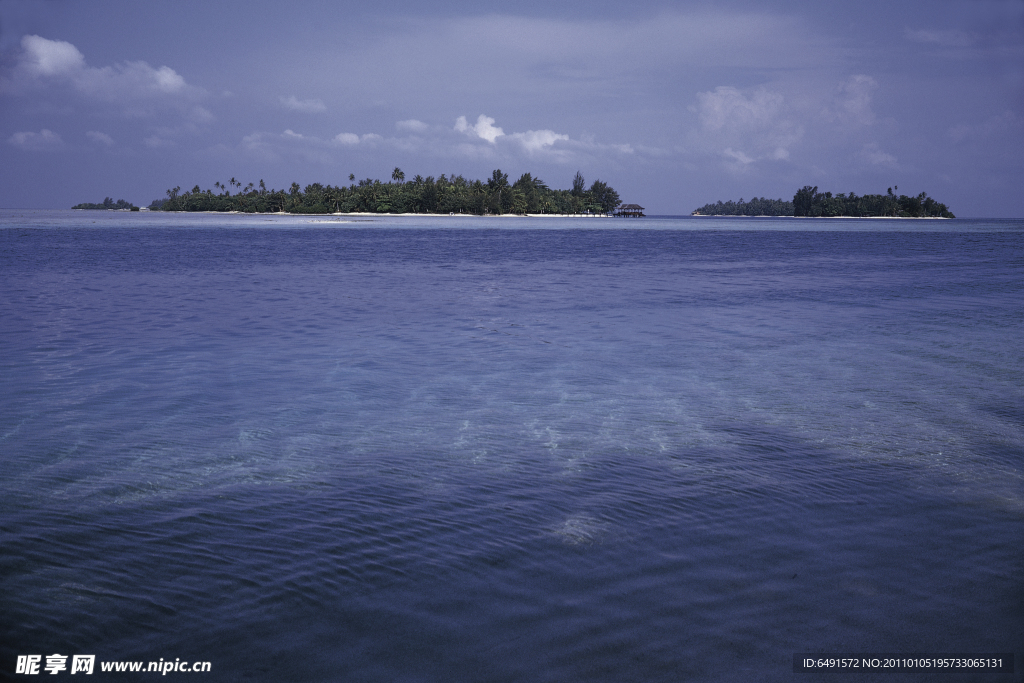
[[433, 449]]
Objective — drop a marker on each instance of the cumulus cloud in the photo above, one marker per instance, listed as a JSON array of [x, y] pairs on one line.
[[347, 138], [304, 106], [538, 140], [876, 157], [48, 63], [727, 107], [531, 141], [44, 140], [309, 148], [412, 126], [744, 127], [852, 104], [100, 138], [42, 57], [483, 129], [353, 139], [486, 141]]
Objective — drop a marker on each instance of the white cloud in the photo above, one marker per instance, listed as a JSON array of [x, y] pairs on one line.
[[44, 57], [531, 141], [200, 115], [308, 148], [737, 156], [45, 63], [876, 157], [538, 140], [353, 139], [852, 104], [100, 138], [483, 129], [412, 126], [744, 127], [166, 79], [553, 146], [486, 141], [727, 107], [44, 140], [304, 106]]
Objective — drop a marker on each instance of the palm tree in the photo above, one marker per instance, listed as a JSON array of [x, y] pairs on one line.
[[496, 185], [397, 175], [578, 185]]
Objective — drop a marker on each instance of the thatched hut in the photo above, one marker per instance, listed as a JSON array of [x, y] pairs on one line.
[[630, 210]]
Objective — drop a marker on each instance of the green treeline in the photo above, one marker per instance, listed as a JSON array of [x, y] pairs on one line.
[[108, 204], [758, 206], [442, 195], [809, 202]]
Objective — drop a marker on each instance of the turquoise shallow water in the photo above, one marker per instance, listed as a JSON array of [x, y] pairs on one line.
[[509, 449]]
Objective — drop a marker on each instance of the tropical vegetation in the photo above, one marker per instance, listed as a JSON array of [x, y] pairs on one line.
[[809, 202], [758, 206], [444, 195], [109, 205]]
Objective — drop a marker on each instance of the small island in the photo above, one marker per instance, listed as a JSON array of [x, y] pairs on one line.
[[108, 204], [442, 195], [813, 204]]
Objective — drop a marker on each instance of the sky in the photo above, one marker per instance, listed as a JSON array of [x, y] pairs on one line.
[[674, 104]]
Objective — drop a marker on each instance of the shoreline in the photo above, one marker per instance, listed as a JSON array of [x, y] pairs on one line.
[[506, 215], [366, 213], [890, 218]]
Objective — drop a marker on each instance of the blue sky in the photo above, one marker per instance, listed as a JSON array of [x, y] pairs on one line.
[[673, 104]]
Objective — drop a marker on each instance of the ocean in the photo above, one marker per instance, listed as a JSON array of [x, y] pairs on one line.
[[509, 449]]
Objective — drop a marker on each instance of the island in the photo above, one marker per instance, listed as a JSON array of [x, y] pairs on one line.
[[810, 203], [108, 204], [442, 195]]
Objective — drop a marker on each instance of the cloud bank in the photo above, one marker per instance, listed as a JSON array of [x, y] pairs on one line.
[[744, 127], [45, 62], [305, 106], [43, 141]]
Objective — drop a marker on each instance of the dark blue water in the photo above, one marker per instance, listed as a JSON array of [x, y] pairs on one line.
[[509, 449]]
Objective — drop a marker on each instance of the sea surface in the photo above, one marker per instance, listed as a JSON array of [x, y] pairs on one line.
[[509, 449]]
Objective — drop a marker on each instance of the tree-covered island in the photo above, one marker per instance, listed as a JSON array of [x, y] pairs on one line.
[[108, 204], [442, 195], [809, 202]]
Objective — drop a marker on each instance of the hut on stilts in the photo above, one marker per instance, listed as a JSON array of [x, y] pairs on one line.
[[630, 211]]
